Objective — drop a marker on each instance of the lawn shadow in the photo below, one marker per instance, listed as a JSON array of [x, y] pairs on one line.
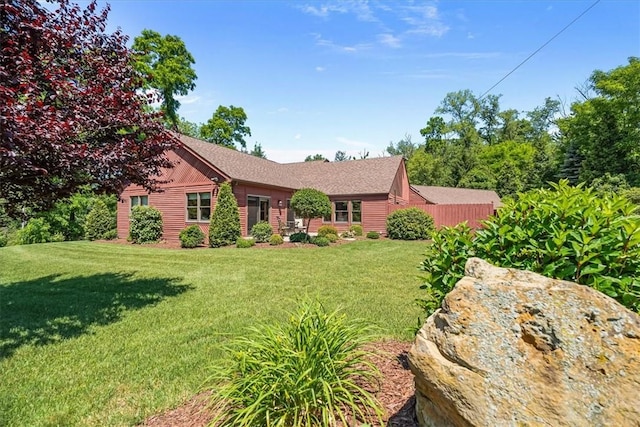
[[48, 309]]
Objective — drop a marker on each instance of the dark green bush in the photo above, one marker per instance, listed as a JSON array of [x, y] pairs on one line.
[[323, 230], [357, 230], [310, 371], [225, 220], [4, 238], [633, 195], [276, 239], [191, 237], [373, 235], [145, 225], [100, 221], [320, 241], [565, 232], [300, 237], [410, 224], [331, 237], [261, 232], [245, 243]]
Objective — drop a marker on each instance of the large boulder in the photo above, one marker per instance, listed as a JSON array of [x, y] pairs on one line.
[[511, 347]]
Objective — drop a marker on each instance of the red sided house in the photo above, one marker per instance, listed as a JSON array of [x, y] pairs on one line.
[[362, 192]]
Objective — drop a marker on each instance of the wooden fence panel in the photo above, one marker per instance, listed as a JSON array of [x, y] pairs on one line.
[[451, 215]]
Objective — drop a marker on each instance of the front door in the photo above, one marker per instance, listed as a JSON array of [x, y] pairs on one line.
[[257, 210]]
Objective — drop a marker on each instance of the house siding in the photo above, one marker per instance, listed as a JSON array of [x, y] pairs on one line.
[[242, 191]]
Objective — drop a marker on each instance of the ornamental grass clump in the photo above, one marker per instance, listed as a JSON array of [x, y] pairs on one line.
[[308, 371]]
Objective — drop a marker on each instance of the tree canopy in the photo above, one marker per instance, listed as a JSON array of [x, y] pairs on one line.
[[310, 203], [314, 157], [165, 63], [227, 127], [70, 110]]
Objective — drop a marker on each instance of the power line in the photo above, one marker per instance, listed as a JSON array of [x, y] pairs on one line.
[[540, 48]]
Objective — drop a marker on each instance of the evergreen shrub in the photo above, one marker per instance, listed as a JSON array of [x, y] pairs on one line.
[[320, 241], [373, 235], [332, 238], [99, 221], [225, 220], [261, 232], [191, 237], [323, 230], [245, 243], [300, 237], [276, 239]]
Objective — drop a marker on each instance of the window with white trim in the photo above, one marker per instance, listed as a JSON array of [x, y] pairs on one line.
[[198, 206], [138, 201]]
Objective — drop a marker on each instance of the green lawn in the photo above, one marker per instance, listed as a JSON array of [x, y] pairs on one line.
[[104, 334]]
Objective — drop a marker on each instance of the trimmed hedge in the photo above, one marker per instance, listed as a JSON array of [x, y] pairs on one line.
[[410, 224], [145, 225], [191, 237]]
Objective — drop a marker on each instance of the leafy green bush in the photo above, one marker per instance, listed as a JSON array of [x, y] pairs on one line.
[[100, 220], [225, 220], [245, 243], [357, 230], [276, 239], [261, 232], [444, 264], [565, 232], [191, 237], [4, 238], [348, 235], [300, 237], [310, 371], [373, 235], [145, 225], [37, 230], [409, 224], [320, 241], [332, 238], [633, 195], [323, 230]]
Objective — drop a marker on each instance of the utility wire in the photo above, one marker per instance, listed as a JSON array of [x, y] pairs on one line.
[[540, 48]]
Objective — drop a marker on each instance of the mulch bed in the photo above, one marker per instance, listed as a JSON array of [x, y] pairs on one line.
[[396, 393]]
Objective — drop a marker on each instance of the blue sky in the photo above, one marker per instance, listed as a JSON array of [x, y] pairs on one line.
[[317, 77]]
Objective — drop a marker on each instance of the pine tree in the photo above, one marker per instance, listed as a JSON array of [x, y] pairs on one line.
[[570, 170], [225, 220]]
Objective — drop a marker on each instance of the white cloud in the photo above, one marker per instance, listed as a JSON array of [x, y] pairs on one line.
[[320, 41], [389, 40], [424, 19], [320, 69], [463, 55], [359, 8], [297, 136], [352, 142], [280, 110], [188, 99]]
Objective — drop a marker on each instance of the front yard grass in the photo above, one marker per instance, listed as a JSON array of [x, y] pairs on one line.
[[105, 334]]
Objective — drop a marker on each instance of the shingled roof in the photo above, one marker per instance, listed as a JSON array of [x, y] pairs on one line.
[[457, 196], [366, 176]]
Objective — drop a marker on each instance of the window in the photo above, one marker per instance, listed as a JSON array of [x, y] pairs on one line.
[[198, 206], [356, 211], [342, 211], [139, 201]]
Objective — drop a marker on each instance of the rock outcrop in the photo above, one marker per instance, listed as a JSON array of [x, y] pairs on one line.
[[511, 347]]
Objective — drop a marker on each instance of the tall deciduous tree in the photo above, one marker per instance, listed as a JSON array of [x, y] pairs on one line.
[[226, 127], [314, 157], [258, 151], [70, 113], [166, 63], [605, 129]]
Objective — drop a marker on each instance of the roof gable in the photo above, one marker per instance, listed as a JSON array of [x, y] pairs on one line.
[[365, 176], [457, 196]]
